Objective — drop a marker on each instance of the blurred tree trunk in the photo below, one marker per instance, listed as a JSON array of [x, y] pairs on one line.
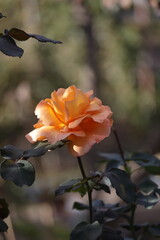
[[84, 19]]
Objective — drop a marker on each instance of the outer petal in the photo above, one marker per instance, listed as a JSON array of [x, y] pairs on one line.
[[47, 132], [95, 132], [77, 121], [89, 93], [94, 105], [102, 114], [46, 114]]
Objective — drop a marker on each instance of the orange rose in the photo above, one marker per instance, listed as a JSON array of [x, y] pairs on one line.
[[74, 115]]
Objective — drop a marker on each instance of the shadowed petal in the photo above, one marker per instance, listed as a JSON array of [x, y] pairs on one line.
[[46, 114], [102, 114], [95, 132]]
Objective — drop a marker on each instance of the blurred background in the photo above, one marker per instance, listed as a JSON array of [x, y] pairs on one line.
[[110, 46]]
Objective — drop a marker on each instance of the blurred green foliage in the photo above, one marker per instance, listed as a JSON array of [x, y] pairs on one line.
[[124, 45], [108, 46]]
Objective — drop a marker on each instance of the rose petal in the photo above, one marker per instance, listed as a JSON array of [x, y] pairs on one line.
[[77, 121], [38, 124], [102, 114], [47, 132], [77, 105], [95, 132], [94, 105], [69, 93], [46, 114], [89, 93]]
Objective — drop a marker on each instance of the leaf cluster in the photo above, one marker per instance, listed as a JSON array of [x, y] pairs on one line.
[[8, 45], [146, 193], [4, 212], [15, 166]]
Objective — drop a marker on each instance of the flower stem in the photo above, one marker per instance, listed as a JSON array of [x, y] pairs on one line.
[[88, 189], [120, 148], [133, 208]]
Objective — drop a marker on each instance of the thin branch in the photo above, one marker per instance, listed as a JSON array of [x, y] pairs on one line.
[[120, 148], [88, 189]]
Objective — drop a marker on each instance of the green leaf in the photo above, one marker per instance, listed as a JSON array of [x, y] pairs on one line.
[[113, 164], [3, 226], [148, 201], [42, 148], [9, 47], [101, 186], [35, 152], [11, 152], [14, 153], [120, 180], [68, 186], [137, 227], [2, 16], [80, 206], [111, 234], [4, 211], [127, 238], [97, 204], [157, 191], [81, 189], [21, 35], [114, 160], [154, 230], [21, 173], [86, 231], [147, 185], [148, 161], [104, 216], [112, 156]]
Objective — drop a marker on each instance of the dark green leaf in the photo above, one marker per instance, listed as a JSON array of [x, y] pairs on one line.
[[154, 230], [101, 186], [137, 227], [80, 206], [21, 172], [120, 180], [127, 238], [97, 204], [157, 191], [4, 211], [68, 186], [21, 35], [2, 16], [81, 189], [148, 161], [148, 201], [112, 156], [3, 226], [42, 148], [113, 164], [111, 234], [147, 185], [86, 231], [11, 152], [9, 47], [35, 152], [113, 160], [104, 216]]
